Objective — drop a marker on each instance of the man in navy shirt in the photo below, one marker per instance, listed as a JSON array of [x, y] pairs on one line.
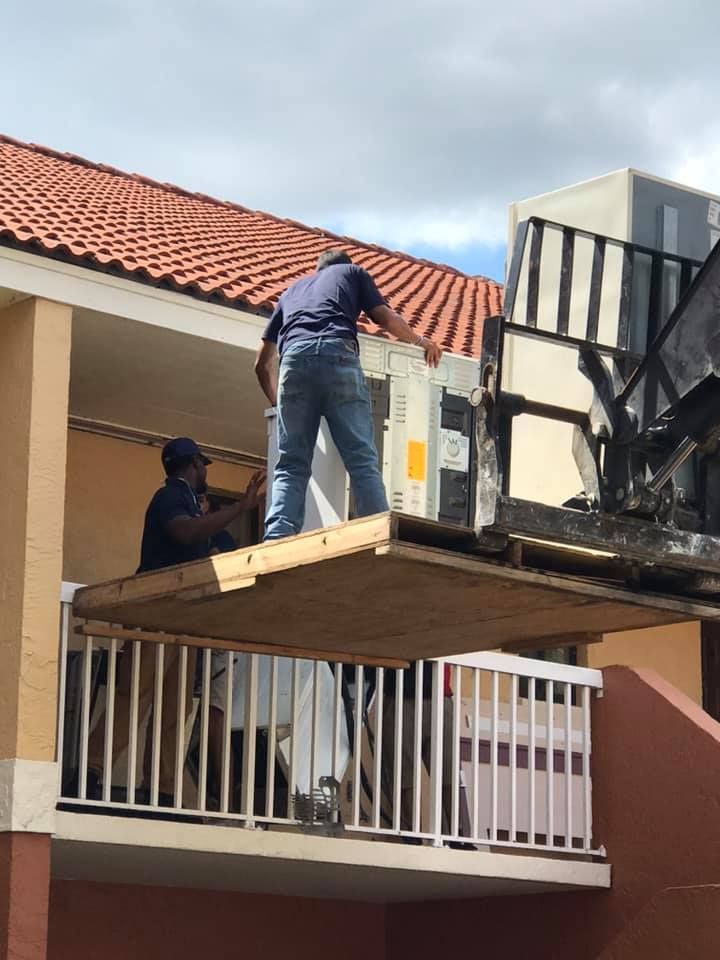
[[314, 330], [176, 531], [176, 528]]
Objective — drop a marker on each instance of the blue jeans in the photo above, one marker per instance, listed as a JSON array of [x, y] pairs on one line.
[[322, 378]]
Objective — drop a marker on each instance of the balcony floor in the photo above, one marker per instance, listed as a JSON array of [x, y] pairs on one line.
[[156, 853]]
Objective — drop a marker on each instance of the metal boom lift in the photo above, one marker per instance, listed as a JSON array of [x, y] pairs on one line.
[[652, 412]]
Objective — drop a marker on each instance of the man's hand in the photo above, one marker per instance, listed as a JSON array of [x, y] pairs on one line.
[[186, 529], [432, 350], [251, 497]]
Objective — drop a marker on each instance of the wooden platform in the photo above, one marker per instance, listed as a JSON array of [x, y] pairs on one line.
[[380, 587]]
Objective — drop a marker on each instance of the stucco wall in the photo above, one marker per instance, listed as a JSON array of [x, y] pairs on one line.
[[24, 893], [109, 485], [656, 797], [88, 921], [672, 651], [34, 374]]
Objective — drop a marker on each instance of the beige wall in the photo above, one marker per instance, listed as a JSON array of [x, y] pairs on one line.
[[673, 652], [109, 485]]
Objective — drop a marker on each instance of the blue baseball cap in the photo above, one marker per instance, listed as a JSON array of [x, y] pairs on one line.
[[182, 448]]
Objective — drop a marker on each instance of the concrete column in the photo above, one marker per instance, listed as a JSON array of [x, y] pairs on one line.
[[34, 380]]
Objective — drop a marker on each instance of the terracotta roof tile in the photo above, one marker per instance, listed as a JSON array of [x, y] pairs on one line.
[[92, 214]]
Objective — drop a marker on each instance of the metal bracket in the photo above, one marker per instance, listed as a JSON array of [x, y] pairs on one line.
[[486, 479]]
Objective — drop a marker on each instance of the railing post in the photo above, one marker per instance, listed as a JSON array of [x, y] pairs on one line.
[[249, 736], [156, 730], [65, 609], [204, 729], [377, 776], [436, 758]]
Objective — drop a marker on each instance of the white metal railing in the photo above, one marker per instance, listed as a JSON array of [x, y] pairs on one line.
[[503, 762]]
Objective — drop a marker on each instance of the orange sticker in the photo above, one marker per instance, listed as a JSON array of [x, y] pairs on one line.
[[416, 457]]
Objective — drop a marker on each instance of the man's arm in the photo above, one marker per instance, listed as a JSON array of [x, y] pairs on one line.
[[386, 318], [374, 305], [189, 530], [266, 370]]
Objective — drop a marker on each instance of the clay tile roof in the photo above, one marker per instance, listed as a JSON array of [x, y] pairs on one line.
[[61, 205]]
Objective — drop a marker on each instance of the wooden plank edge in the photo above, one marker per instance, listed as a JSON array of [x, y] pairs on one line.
[[552, 642], [273, 556], [108, 632], [481, 566]]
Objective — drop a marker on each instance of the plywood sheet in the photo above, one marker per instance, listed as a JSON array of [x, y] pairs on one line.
[[361, 588]]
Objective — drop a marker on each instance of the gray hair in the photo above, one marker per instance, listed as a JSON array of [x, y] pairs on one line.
[[330, 257]]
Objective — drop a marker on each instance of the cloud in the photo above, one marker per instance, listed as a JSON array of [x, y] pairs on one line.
[[409, 122]]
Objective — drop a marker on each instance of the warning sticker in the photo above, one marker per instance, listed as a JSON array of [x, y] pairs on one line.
[[416, 458]]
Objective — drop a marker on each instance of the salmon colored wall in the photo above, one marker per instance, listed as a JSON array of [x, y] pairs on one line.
[[90, 921], [656, 933], [656, 807], [109, 485], [672, 651], [24, 889]]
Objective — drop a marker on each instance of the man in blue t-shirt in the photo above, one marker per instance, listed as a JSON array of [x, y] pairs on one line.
[[176, 531], [314, 330]]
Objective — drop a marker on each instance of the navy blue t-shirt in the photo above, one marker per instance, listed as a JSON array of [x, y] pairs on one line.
[[325, 304], [159, 549]]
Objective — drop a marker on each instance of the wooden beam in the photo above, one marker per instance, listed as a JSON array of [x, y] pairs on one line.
[[233, 571], [356, 594], [623, 536], [553, 643], [686, 608], [155, 636]]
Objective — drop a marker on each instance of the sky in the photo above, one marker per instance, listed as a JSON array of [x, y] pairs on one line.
[[408, 123]]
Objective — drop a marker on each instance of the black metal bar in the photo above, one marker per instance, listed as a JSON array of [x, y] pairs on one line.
[[657, 272], [491, 357], [567, 341], [626, 286], [505, 451], [654, 325], [615, 242], [686, 277], [673, 463], [534, 273], [596, 280], [622, 536], [566, 275], [513, 277], [705, 274], [515, 404]]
